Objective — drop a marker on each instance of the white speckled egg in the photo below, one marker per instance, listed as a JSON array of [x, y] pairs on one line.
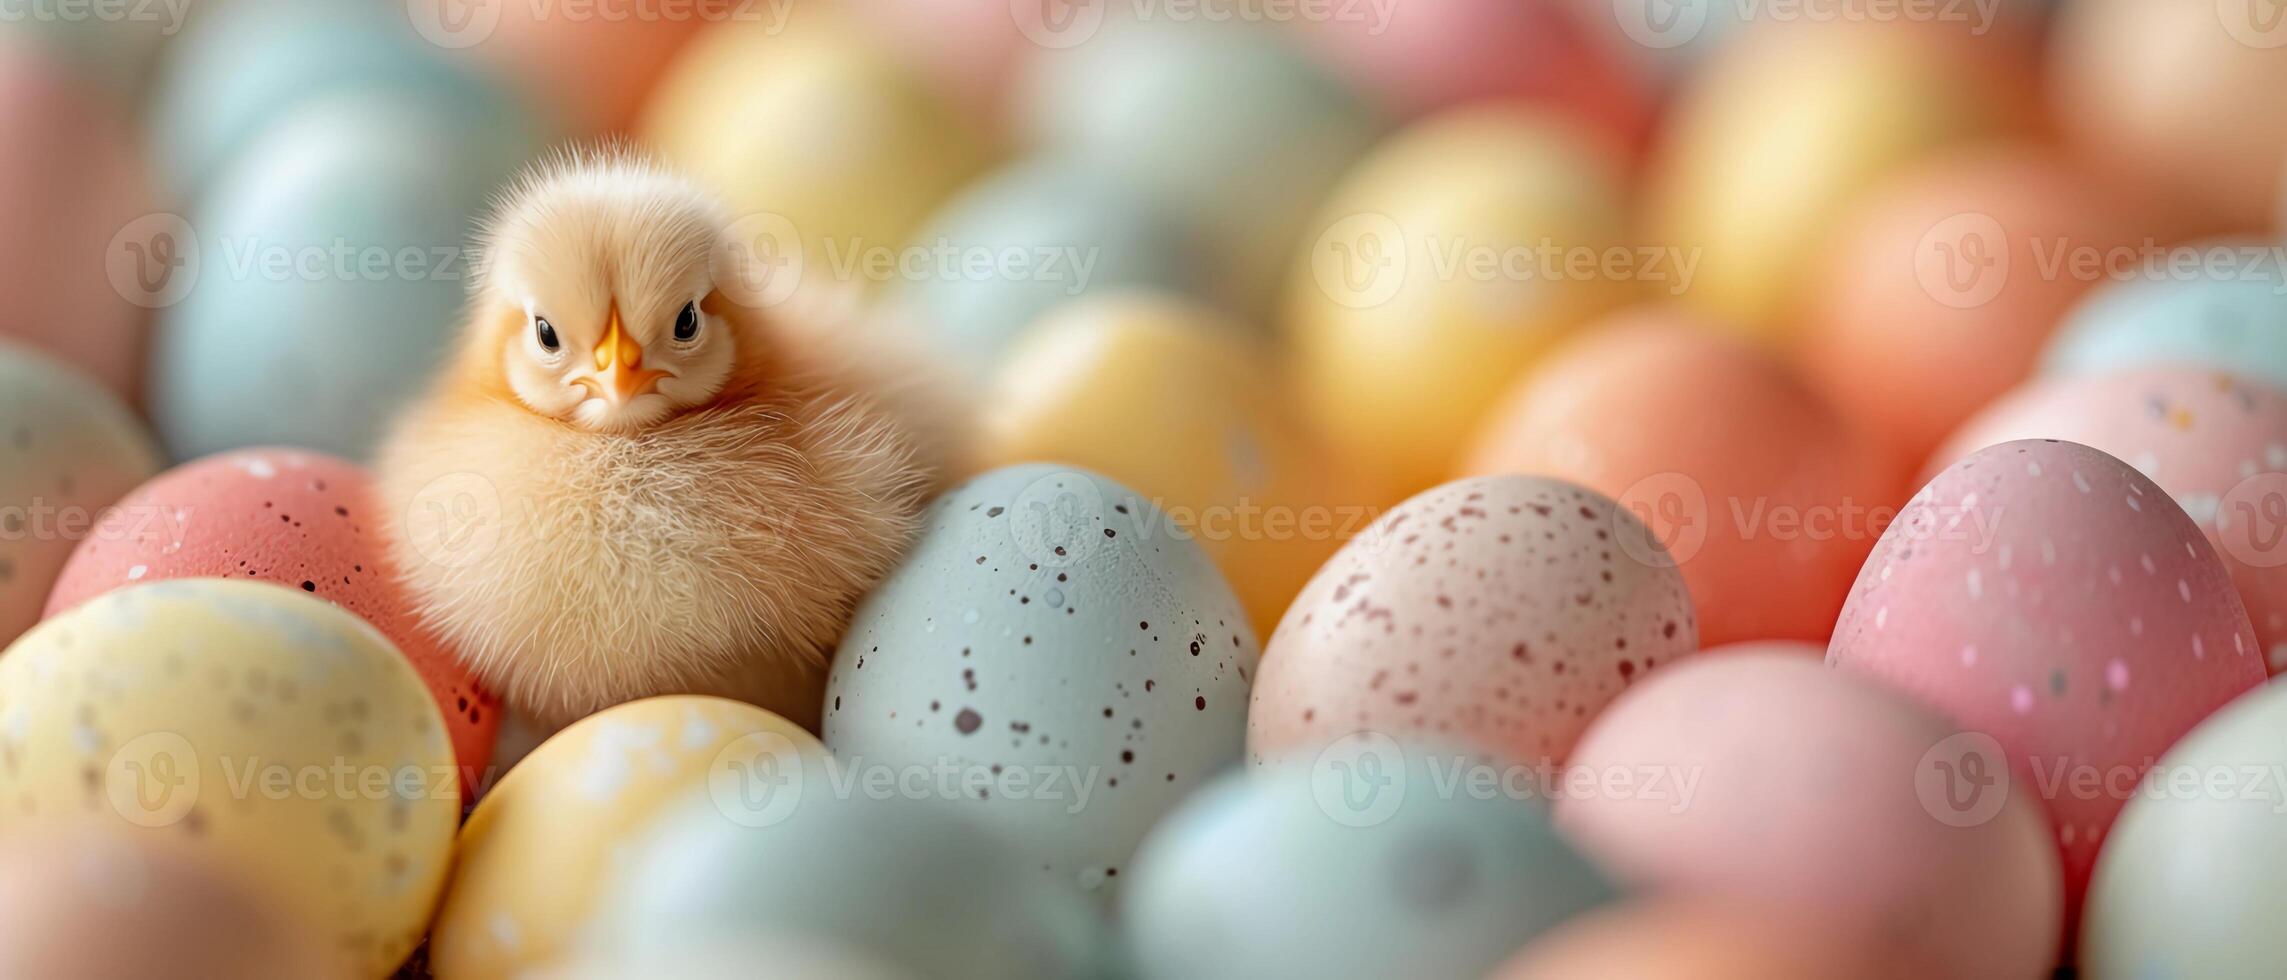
[[1059, 643], [68, 449], [273, 729], [1379, 859], [1499, 612], [538, 847]]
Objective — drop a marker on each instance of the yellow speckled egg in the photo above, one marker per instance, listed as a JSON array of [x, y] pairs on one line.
[[268, 727], [539, 845], [1444, 265], [1791, 124], [1176, 401], [815, 126]]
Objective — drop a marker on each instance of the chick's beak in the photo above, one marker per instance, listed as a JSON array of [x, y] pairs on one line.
[[620, 375]]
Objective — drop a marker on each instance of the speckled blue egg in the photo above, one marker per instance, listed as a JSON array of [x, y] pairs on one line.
[[2230, 322], [1098, 234], [1228, 125], [68, 449], [1059, 644], [332, 268], [241, 66], [887, 878], [1376, 859]]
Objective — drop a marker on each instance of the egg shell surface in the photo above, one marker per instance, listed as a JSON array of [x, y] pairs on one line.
[[1745, 476], [2216, 304], [537, 851], [1050, 619], [2054, 599], [68, 449], [1697, 938], [1355, 865], [301, 520], [280, 734], [1498, 612], [1803, 788], [590, 66]]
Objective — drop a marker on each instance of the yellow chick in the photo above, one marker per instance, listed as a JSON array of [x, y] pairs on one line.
[[639, 476]]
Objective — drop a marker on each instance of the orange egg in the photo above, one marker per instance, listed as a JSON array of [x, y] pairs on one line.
[[1945, 284], [1694, 939], [1760, 492], [593, 62]]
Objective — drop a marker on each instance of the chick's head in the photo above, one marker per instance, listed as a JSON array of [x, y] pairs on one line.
[[597, 295]]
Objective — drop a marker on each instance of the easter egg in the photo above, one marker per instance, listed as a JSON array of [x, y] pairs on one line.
[[281, 735], [1170, 398], [1697, 938], [738, 959], [970, 50], [814, 137], [90, 905], [1364, 863], [2215, 442], [296, 519], [70, 180], [1789, 782], [591, 64], [68, 450], [241, 67], [2180, 95], [1229, 127], [1445, 264], [1744, 475], [900, 883], [2049, 597], [2186, 885], [1500, 613], [1078, 232], [2217, 304], [331, 282], [1426, 57], [1050, 626], [537, 851], [1944, 285], [1788, 127]]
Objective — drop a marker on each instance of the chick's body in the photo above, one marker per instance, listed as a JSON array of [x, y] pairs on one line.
[[692, 516]]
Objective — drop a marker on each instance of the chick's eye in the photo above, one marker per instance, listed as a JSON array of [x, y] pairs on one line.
[[687, 323], [546, 332]]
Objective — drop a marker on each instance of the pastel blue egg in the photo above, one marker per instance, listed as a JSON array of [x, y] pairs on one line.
[[1066, 650], [1228, 125], [922, 891], [1088, 231], [331, 269], [1375, 860], [2236, 321]]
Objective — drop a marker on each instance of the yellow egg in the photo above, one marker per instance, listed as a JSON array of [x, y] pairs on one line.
[[1444, 265], [539, 845], [1792, 124], [268, 727], [1178, 402], [812, 135]]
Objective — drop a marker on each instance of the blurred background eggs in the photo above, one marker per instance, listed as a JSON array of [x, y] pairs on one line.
[[1697, 938], [2216, 304]]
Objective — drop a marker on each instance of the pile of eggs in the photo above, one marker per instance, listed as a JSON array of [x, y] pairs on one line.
[[1461, 488]]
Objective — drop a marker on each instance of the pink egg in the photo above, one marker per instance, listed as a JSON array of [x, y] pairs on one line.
[[2051, 597], [2215, 442], [70, 180], [299, 519], [1765, 775], [1500, 612]]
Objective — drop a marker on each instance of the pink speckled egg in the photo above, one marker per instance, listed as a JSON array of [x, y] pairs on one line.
[[1768, 776], [2051, 597], [1500, 613], [70, 180], [298, 519], [2216, 442]]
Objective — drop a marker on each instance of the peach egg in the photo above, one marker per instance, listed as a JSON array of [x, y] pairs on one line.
[[1744, 475], [1945, 284], [2053, 599], [1787, 781], [1696, 938], [302, 520], [1499, 613], [592, 63]]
